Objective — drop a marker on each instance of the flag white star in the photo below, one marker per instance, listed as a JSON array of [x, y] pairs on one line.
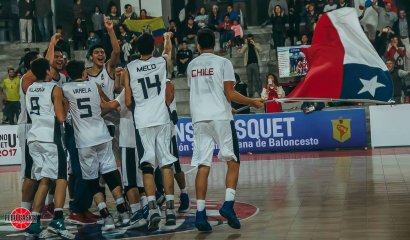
[[370, 86]]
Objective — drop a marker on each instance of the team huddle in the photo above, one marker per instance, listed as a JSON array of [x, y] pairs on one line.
[[103, 116]]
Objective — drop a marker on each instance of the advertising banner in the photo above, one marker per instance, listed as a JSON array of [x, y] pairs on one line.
[[292, 131], [292, 61], [10, 152]]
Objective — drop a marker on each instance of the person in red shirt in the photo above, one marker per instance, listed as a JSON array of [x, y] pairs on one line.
[[226, 33], [396, 52], [272, 91]]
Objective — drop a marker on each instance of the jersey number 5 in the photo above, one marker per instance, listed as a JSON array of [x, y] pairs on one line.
[[146, 83], [35, 108], [84, 104]]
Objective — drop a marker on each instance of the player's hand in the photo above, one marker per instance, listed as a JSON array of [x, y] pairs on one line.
[[234, 111], [258, 102], [108, 23], [119, 71]]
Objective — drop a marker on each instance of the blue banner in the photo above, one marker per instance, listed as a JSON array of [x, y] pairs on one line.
[[292, 131]]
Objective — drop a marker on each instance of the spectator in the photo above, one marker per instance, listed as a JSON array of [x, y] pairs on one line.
[[184, 57], [190, 32], [79, 34], [402, 29], [114, 15], [93, 39], [330, 6], [26, 9], [251, 58], [226, 34], [202, 18], [343, 3], [386, 16], [240, 7], [396, 52], [98, 21], [397, 76], [128, 14], [21, 67], [43, 9], [238, 33], [78, 10], [310, 20], [62, 43], [271, 91], [320, 6], [278, 21], [304, 40], [176, 36], [231, 13], [242, 88], [214, 19], [282, 3], [125, 39], [144, 15], [11, 87], [383, 39], [295, 10]]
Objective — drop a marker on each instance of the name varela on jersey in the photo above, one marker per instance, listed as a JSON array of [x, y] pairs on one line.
[[81, 90]]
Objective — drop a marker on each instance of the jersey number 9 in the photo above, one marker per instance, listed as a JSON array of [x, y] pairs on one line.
[[35, 108]]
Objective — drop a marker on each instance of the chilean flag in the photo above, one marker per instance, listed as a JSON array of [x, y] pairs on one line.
[[343, 63]]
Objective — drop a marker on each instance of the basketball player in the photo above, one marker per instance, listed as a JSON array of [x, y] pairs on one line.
[[44, 101], [211, 79], [24, 124], [93, 142], [145, 83], [132, 175]]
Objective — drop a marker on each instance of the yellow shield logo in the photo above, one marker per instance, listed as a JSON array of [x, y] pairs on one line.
[[341, 129]]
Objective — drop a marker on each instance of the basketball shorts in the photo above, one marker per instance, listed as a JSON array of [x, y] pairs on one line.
[[49, 161], [153, 145], [96, 160], [209, 133], [131, 174]]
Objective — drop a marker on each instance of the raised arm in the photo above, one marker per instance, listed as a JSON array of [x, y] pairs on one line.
[[169, 93], [115, 54], [50, 52], [167, 54], [117, 81]]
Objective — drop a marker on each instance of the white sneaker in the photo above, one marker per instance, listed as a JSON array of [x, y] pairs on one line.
[[108, 224], [123, 219]]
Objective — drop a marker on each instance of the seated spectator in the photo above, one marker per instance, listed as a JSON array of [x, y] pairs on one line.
[[214, 18], [144, 15], [396, 52], [128, 14], [79, 35], [343, 3], [402, 29], [184, 56], [202, 18], [278, 21], [93, 39], [233, 15], [397, 76], [190, 32], [330, 6], [226, 32], [242, 88], [271, 91], [124, 39], [238, 33], [304, 40]]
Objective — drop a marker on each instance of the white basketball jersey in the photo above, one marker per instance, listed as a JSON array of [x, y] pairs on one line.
[[105, 81], [127, 128], [40, 107], [147, 81], [61, 80], [206, 76], [24, 122], [89, 127]]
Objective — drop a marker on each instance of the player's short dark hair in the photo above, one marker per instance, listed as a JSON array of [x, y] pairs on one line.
[[206, 39], [92, 48], [56, 49], [146, 44], [172, 21], [29, 57], [39, 68], [75, 69], [127, 5]]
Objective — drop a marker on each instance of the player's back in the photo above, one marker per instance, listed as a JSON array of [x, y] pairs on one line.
[[40, 108], [148, 82], [206, 76], [89, 127]]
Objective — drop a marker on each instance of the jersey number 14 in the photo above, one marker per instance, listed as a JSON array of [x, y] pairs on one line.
[[146, 83]]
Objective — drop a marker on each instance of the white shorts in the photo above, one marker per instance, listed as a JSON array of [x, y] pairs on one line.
[[96, 159], [48, 161], [154, 143], [209, 133], [131, 173]]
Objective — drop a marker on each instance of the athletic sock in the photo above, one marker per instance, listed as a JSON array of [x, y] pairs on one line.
[[58, 213], [102, 207], [230, 194], [184, 190], [144, 201], [36, 217], [26, 205], [135, 207], [121, 207], [200, 205]]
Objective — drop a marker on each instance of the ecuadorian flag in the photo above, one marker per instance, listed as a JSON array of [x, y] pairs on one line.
[[154, 26]]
